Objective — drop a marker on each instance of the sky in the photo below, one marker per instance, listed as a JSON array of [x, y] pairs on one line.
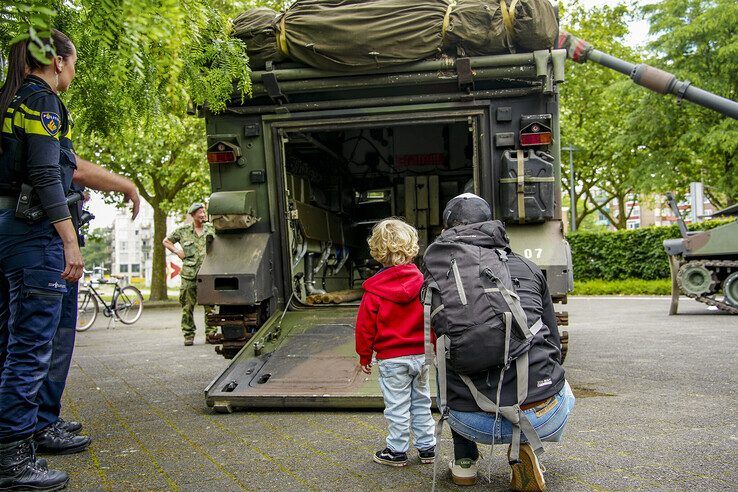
[[104, 213]]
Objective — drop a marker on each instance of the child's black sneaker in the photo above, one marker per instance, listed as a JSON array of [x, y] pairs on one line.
[[389, 457], [427, 456]]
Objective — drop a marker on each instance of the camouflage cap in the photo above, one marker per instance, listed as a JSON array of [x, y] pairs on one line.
[[195, 207], [466, 208]]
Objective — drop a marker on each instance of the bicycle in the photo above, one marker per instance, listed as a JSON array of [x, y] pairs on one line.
[[125, 306]]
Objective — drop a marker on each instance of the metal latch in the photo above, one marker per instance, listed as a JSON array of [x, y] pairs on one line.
[[269, 79], [465, 74]]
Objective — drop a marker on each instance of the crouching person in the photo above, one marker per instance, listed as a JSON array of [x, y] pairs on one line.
[[390, 323], [498, 352]]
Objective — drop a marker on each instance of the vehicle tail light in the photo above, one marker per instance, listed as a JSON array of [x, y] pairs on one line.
[[223, 153], [530, 139], [535, 130], [224, 157]]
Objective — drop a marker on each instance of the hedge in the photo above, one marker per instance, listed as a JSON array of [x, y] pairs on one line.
[[629, 254], [627, 287]]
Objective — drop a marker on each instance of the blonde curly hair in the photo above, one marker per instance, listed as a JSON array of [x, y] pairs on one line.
[[393, 242]]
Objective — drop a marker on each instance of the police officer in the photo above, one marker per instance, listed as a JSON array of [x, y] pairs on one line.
[[37, 258], [192, 239], [55, 435]]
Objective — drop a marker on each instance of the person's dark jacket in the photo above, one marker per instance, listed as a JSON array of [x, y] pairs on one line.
[[545, 374], [33, 126]]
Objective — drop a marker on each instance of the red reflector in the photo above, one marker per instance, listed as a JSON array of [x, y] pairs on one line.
[[527, 139], [221, 157]]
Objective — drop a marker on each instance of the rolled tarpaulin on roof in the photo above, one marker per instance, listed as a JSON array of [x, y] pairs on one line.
[[258, 29], [363, 35]]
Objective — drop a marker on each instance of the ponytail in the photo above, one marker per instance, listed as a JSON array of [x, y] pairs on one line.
[[21, 62]]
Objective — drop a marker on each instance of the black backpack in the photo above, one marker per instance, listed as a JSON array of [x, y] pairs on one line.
[[470, 287]]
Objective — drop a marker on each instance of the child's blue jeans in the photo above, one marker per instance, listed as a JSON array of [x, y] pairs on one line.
[[404, 382]]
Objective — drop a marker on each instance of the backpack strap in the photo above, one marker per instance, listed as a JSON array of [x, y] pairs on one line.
[[428, 317], [440, 363], [513, 413]]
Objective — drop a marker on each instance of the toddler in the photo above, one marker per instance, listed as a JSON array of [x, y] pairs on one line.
[[390, 323]]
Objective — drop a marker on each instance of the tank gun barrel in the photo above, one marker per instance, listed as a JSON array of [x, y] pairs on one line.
[[647, 76]]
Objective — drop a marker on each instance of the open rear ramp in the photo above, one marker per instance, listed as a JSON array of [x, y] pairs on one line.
[[306, 360]]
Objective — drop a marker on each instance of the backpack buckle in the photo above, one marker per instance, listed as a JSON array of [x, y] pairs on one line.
[[502, 254]]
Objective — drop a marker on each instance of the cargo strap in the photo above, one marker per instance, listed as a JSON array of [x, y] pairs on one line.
[[508, 19], [447, 19], [530, 179], [282, 38], [521, 186]]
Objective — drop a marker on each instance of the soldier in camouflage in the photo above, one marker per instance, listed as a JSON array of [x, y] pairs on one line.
[[192, 239]]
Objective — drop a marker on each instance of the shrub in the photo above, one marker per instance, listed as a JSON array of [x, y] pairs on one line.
[[627, 287], [631, 254]]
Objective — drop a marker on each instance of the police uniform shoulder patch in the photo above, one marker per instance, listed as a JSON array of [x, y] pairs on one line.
[[51, 122]]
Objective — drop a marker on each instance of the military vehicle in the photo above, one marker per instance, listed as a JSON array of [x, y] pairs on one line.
[[704, 263], [302, 171]]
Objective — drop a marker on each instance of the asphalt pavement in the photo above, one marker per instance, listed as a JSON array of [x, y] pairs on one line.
[[656, 410]]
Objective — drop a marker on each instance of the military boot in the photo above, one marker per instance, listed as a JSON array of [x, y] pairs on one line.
[[19, 469], [55, 440], [213, 338]]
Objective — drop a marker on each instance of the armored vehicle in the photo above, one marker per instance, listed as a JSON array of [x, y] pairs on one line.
[[704, 263], [302, 171]]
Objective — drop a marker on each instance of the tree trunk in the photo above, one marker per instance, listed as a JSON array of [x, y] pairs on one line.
[[158, 259], [622, 222]]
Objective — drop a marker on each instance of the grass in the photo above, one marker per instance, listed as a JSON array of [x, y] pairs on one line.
[[626, 287]]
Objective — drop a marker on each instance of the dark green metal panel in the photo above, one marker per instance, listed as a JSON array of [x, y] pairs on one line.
[[307, 360]]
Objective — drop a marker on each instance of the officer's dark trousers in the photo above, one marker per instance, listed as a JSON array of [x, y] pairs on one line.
[[50, 395], [31, 292]]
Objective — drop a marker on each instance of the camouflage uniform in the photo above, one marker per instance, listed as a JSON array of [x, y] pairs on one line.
[[194, 250]]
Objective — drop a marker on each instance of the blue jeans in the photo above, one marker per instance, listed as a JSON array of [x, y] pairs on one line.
[[50, 395], [404, 382], [548, 419], [31, 292]]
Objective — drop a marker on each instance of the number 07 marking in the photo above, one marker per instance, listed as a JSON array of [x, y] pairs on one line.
[[531, 253]]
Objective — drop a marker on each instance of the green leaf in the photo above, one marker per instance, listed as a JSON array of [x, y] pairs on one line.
[[20, 37], [38, 53]]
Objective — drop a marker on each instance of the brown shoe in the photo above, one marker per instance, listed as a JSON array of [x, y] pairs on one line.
[[189, 341], [214, 338], [527, 475]]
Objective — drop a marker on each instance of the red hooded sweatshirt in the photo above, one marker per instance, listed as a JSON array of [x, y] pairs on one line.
[[390, 319]]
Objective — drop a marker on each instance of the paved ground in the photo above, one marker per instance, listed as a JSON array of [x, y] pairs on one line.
[[656, 411]]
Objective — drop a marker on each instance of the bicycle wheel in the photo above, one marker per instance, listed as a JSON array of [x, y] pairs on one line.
[[87, 309], [128, 305]]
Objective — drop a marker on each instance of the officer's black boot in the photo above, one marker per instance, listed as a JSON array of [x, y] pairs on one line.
[[19, 469], [69, 425], [55, 440]]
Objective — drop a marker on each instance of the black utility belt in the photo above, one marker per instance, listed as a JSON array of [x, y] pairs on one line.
[[32, 213]]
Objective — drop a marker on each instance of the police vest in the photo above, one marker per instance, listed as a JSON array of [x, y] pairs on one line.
[[21, 121]]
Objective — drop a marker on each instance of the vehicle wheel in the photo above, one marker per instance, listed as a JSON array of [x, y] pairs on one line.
[[87, 309], [128, 305], [730, 289]]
